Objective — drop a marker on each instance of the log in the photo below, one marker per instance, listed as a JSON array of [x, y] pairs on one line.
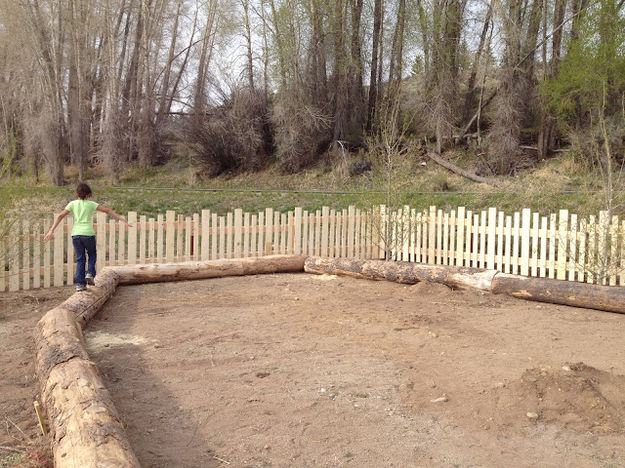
[[210, 269], [402, 272], [590, 296], [586, 295], [86, 430]]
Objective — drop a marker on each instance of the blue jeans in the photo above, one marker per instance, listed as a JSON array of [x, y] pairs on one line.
[[84, 247]]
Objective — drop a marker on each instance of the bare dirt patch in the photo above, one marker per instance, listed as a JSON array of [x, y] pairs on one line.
[[21, 442], [302, 370]]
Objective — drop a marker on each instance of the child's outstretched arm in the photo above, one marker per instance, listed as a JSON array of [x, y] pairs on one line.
[[108, 211], [50, 234]]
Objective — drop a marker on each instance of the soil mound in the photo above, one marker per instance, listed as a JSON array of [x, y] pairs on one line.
[[576, 397]]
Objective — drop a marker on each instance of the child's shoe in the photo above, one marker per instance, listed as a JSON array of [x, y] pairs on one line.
[[89, 279], [81, 287]]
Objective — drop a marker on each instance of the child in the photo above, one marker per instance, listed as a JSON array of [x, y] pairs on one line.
[[83, 234]]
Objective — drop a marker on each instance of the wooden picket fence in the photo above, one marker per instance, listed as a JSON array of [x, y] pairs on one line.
[[556, 246]]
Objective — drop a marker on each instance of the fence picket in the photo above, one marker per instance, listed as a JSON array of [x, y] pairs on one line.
[[469, 239], [268, 231], [253, 234], [612, 270], [562, 244], [552, 246], [515, 242], [246, 234], [70, 251], [573, 248], [534, 250], [26, 255], [170, 220], [445, 259], [132, 238], [500, 240], [238, 233], [476, 238], [508, 248], [221, 252], [188, 242], [229, 234], [112, 233], [205, 243], [525, 241], [460, 237], [490, 241], [581, 268], [100, 239], [482, 232], [543, 246], [36, 259], [439, 237], [195, 246], [14, 257], [159, 238], [58, 254], [46, 255], [142, 238], [591, 265], [151, 240], [261, 233]]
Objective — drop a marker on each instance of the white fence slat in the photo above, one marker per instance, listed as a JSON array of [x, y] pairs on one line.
[[500, 240], [238, 232], [59, 244], [516, 227], [253, 235], [188, 242], [221, 252], [612, 269], [469, 240], [491, 239], [205, 243], [445, 259], [525, 241], [476, 239], [142, 238], [112, 232], [26, 254], [261, 233], [170, 228], [460, 237], [132, 238], [47, 251], [553, 242], [534, 250], [573, 248], [246, 234], [562, 244], [544, 236], [581, 260], [69, 263], [36, 258], [100, 239], [195, 245], [591, 264], [160, 238], [151, 240]]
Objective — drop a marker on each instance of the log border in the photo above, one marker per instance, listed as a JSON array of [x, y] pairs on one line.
[[86, 430]]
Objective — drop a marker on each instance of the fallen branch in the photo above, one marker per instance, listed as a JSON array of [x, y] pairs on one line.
[[438, 159]]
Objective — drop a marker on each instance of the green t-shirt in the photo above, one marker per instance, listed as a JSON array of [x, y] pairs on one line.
[[82, 210]]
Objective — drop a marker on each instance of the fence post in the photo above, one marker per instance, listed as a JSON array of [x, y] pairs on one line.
[[132, 238]]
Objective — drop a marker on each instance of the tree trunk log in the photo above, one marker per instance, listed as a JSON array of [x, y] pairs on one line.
[[212, 269], [402, 272], [590, 296], [86, 430]]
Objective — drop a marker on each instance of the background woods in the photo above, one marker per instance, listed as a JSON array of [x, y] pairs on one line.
[[238, 84]]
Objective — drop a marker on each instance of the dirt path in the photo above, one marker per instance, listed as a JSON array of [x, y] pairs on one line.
[[302, 370]]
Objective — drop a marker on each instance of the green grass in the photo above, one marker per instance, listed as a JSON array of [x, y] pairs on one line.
[[543, 189]]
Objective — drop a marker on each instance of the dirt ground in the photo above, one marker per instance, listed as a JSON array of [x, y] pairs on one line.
[[303, 370], [21, 443]]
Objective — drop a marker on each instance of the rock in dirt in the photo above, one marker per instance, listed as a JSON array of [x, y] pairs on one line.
[[532, 416], [442, 399]]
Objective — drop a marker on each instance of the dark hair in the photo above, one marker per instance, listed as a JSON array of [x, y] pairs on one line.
[[83, 191]]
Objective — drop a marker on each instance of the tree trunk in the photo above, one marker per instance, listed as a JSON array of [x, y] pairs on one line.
[[373, 82], [591, 296]]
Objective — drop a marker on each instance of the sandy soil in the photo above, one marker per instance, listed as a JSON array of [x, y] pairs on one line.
[[21, 443], [302, 370]]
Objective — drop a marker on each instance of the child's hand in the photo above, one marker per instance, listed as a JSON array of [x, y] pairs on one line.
[[49, 235]]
